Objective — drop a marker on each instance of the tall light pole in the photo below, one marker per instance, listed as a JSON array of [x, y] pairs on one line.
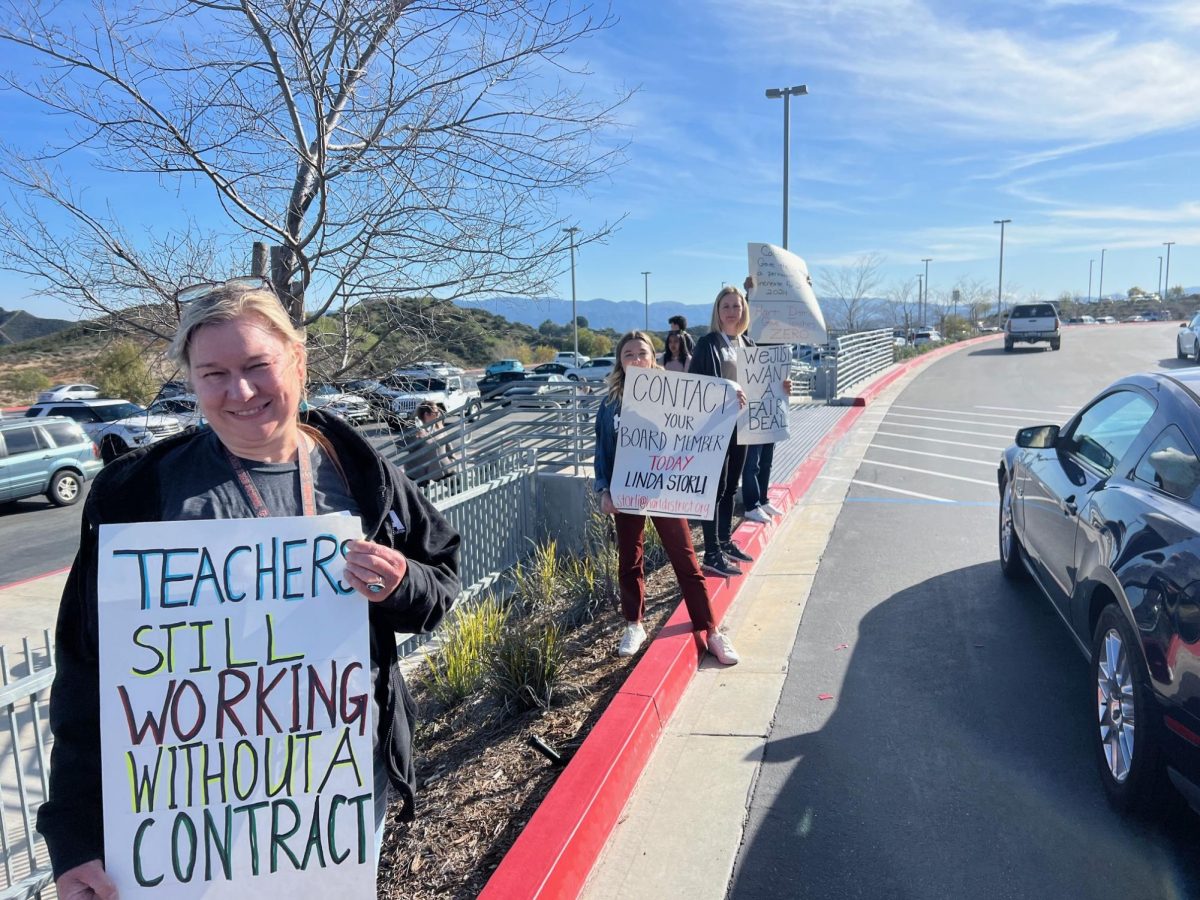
[[925, 300], [1160, 290], [786, 93], [1167, 277], [1000, 284], [1100, 292], [1090, 261], [646, 284], [574, 314], [920, 293]]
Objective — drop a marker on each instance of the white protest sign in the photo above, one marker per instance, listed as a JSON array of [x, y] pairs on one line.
[[761, 373], [672, 435], [783, 307], [235, 710]]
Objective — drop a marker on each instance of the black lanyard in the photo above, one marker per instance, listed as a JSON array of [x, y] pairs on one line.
[[308, 501]]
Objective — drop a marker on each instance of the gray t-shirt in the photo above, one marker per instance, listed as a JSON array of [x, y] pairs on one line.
[[203, 486], [729, 356]]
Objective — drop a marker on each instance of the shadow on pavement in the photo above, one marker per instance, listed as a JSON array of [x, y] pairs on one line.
[[1000, 351], [1173, 363], [953, 761]]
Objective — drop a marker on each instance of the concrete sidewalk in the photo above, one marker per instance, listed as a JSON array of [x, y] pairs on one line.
[[681, 830], [26, 609]]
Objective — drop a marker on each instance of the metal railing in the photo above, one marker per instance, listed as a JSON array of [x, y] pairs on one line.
[[24, 772], [861, 356]]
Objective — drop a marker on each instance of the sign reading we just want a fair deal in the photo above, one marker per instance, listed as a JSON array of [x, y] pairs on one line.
[[672, 435], [235, 702]]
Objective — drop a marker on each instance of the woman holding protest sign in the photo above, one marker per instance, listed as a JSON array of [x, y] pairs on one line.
[[756, 472], [246, 362], [636, 350]]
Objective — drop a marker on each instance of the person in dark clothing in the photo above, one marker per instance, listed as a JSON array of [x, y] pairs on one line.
[[678, 325], [716, 355], [260, 457], [427, 460]]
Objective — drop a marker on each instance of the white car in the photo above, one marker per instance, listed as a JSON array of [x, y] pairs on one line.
[[448, 394], [351, 407], [1107, 320], [69, 392], [593, 370], [569, 359], [183, 408], [116, 426], [921, 338], [1187, 340]]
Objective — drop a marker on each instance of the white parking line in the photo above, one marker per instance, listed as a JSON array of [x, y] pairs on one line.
[[1011, 429], [920, 437], [950, 430], [884, 487], [1039, 412], [964, 412], [876, 462], [979, 462]]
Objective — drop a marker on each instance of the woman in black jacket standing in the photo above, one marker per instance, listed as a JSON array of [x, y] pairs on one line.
[[716, 354]]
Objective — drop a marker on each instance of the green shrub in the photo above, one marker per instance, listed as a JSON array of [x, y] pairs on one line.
[[121, 371], [27, 381], [458, 668], [582, 591], [527, 667], [537, 580]]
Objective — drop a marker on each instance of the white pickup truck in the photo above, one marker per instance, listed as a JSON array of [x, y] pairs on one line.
[[1029, 323]]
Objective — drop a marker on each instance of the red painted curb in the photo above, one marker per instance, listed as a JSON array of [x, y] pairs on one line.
[[554, 854], [4, 587]]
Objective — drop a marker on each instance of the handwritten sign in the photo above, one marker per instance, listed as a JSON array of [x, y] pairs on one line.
[[783, 307], [672, 436], [235, 710], [761, 373]]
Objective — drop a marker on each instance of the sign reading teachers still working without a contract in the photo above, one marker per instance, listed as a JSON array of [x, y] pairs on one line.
[[235, 710], [672, 435], [761, 373]]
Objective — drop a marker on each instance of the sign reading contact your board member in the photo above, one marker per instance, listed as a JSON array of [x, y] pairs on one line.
[[235, 704], [672, 435]]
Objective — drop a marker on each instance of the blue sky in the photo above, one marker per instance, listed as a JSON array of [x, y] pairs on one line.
[[926, 120]]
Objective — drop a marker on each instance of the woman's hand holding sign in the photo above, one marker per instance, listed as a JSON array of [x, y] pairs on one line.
[[87, 881], [373, 570]]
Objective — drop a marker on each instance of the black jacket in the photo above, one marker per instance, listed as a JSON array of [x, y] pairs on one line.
[[706, 358], [127, 490]]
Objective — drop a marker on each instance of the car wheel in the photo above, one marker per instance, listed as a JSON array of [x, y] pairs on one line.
[[1008, 345], [1196, 352], [1126, 737], [1010, 545], [572, 378], [1054, 345], [1179, 354], [65, 488]]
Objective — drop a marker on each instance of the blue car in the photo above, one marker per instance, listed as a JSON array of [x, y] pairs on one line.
[[51, 455], [504, 365], [1103, 514]]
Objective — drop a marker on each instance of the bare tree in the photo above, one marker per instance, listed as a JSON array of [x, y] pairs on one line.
[[903, 303], [848, 290], [383, 148]]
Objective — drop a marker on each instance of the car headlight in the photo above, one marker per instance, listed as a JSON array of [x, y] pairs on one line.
[[138, 430]]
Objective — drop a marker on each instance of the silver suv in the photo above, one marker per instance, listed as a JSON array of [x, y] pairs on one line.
[[51, 456], [117, 426]]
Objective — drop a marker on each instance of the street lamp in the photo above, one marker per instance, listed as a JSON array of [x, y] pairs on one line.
[[646, 281], [920, 293], [1100, 293], [574, 315], [925, 300], [1167, 277], [1160, 290], [1090, 262], [1000, 284], [786, 93]]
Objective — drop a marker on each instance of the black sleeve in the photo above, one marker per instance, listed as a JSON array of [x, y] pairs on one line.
[[705, 360], [72, 819], [431, 545]]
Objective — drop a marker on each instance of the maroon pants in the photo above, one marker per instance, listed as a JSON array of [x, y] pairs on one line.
[[677, 541]]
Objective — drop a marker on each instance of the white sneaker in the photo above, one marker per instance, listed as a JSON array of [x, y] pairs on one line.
[[631, 639], [757, 515], [721, 647], [770, 509]]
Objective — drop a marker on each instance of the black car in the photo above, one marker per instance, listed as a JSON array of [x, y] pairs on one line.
[[492, 387], [551, 368], [1103, 514]]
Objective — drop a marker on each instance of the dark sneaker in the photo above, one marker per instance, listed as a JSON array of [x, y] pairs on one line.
[[734, 552], [717, 564]]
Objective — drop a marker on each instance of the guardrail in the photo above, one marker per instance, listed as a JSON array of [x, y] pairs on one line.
[[24, 772], [861, 356]]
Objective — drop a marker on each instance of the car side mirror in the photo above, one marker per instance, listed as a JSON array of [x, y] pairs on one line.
[[1038, 437], [1183, 324]]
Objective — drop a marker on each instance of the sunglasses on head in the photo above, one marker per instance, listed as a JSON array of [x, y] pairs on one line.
[[203, 289]]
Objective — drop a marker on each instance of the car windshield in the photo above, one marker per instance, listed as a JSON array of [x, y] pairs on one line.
[[323, 390], [117, 411]]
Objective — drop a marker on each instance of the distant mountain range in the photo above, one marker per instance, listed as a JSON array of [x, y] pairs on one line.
[[619, 315], [17, 325]]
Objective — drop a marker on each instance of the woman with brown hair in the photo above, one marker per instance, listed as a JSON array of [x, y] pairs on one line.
[[635, 349]]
